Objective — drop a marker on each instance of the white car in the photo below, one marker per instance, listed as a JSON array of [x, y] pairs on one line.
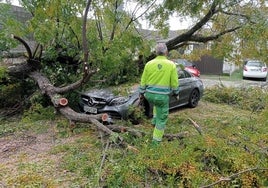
[[255, 69]]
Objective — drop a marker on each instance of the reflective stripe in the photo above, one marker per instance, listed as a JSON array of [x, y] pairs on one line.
[[153, 121], [154, 112], [158, 134], [142, 89], [159, 90], [158, 87]]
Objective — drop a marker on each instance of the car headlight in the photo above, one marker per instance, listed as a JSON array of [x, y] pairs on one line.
[[118, 101]]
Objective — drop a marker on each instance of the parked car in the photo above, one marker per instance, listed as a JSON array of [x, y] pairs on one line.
[[189, 66], [99, 101], [255, 69]]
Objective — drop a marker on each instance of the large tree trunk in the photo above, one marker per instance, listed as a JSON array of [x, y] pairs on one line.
[[55, 96]]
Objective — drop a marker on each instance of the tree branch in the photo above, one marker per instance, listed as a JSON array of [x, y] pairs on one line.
[[115, 21], [172, 44], [247, 17], [229, 178], [104, 155], [120, 129], [198, 38], [84, 32], [204, 39], [27, 47], [196, 126], [133, 19]]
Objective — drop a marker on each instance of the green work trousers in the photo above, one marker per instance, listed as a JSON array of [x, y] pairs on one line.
[[161, 110]]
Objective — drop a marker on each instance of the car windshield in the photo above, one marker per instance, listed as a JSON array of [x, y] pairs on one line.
[[255, 64]]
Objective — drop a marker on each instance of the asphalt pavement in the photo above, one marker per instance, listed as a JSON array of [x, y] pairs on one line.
[[209, 82]]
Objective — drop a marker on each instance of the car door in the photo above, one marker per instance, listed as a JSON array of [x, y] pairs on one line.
[[185, 86]]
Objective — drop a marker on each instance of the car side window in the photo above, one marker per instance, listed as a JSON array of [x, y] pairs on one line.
[[181, 74], [187, 74]]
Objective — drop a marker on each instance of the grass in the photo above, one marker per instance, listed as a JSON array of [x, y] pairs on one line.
[[232, 140]]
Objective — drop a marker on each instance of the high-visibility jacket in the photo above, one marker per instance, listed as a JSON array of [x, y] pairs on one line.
[[160, 76]]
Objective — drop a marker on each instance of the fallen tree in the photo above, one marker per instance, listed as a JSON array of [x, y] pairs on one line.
[[32, 67]]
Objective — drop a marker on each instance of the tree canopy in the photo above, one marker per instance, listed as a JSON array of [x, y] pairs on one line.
[[234, 29]]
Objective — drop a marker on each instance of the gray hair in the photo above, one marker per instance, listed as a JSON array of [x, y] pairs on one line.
[[161, 49]]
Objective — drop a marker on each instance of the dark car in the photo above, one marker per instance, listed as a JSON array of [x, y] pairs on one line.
[[99, 101], [189, 66]]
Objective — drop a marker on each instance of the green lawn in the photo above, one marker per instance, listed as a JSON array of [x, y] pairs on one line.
[[44, 150]]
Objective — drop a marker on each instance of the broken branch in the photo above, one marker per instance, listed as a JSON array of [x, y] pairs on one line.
[[229, 178], [196, 126]]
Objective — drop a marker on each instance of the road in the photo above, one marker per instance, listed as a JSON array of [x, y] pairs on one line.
[[208, 82]]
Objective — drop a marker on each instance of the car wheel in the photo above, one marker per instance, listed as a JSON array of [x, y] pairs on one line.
[[194, 98]]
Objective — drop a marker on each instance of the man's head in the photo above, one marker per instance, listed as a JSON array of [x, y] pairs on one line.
[[161, 49]]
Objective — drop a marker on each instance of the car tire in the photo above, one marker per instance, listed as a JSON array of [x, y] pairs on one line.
[[194, 98]]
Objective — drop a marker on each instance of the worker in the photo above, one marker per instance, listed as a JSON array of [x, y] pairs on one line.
[[159, 80]]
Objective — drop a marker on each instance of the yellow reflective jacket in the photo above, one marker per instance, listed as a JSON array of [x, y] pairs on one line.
[[160, 76]]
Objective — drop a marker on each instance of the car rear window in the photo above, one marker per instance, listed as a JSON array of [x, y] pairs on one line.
[[255, 63]]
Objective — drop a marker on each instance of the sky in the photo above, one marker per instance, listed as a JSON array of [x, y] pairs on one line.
[[175, 23]]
